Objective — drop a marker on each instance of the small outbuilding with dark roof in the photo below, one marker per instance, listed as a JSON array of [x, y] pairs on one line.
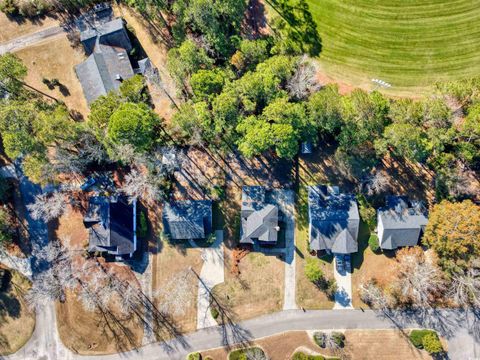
[[188, 219], [400, 223], [111, 223], [334, 220]]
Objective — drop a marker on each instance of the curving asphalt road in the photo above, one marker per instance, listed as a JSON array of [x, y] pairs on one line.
[[461, 328]]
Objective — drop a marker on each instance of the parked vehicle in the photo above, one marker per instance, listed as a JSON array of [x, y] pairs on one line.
[[348, 263], [340, 264]]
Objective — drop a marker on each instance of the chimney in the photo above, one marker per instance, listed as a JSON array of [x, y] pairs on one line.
[[118, 77]]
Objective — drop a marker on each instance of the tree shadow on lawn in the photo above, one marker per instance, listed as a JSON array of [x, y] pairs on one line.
[[297, 15]]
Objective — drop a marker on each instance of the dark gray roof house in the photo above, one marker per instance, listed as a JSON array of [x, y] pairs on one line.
[[188, 219], [111, 225], [107, 46], [400, 223], [259, 219], [334, 220]]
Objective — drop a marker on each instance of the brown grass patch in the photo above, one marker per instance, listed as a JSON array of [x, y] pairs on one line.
[[55, 58], [172, 260], [92, 333], [17, 321], [257, 290], [359, 345], [14, 28], [378, 266]]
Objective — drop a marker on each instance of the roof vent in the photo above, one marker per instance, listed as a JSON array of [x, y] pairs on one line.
[[277, 228]]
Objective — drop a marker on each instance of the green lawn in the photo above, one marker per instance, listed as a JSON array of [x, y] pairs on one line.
[[409, 43]]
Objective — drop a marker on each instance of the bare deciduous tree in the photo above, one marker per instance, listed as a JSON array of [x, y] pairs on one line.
[[47, 206], [304, 81], [90, 148], [141, 185], [373, 295], [377, 183], [420, 281], [175, 296], [126, 154], [465, 287]]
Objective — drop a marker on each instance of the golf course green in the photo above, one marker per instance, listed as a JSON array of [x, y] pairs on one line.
[[408, 43]]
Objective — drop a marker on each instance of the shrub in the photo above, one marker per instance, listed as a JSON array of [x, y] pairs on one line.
[[416, 337], [302, 356], [331, 288], [320, 339], [214, 312], [142, 225], [339, 339], [313, 271], [245, 354], [194, 356], [367, 212], [211, 239], [432, 344], [373, 243], [8, 7]]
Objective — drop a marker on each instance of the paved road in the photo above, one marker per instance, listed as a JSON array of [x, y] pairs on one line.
[[30, 39], [459, 327]]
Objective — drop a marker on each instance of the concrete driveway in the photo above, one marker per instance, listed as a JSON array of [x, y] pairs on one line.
[[212, 273], [343, 295], [286, 203]]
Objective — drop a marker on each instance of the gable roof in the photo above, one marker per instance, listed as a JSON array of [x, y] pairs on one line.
[[108, 62], [99, 73], [334, 220], [259, 219], [189, 219], [111, 226], [400, 222]]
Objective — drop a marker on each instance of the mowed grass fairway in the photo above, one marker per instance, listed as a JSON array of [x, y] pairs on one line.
[[409, 43]]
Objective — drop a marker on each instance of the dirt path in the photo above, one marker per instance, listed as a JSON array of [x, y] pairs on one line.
[[30, 39]]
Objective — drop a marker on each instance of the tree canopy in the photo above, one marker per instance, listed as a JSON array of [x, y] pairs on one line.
[[453, 231], [135, 124]]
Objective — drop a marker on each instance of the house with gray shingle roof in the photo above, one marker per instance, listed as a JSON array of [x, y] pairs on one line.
[[259, 219], [400, 223], [334, 220], [111, 224], [107, 45], [188, 219]]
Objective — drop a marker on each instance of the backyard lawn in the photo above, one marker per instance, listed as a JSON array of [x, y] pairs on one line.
[[408, 43]]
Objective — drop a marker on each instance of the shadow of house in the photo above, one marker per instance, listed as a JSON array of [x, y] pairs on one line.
[[400, 223], [334, 220], [188, 219], [107, 45], [111, 224], [259, 218]]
